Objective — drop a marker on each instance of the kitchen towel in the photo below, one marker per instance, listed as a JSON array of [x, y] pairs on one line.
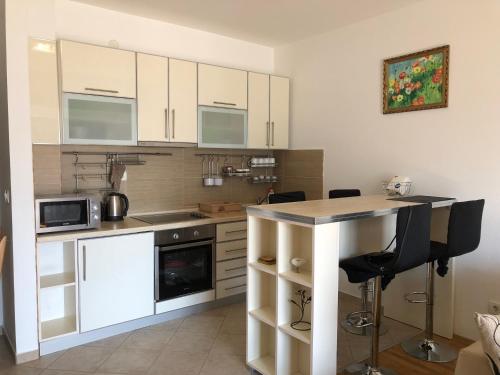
[[117, 172]]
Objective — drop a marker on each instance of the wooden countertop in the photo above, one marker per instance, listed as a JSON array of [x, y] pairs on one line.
[[334, 210], [130, 226]]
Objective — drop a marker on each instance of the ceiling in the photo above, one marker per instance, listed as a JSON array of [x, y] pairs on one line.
[[267, 22]]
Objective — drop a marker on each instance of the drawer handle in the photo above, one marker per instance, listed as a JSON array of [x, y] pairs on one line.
[[101, 90], [225, 103], [236, 231], [234, 287], [233, 250], [235, 268]]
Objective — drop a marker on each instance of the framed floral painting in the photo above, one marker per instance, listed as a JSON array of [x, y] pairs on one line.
[[416, 81]]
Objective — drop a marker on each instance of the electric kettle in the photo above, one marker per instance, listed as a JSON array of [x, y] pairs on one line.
[[115, 207]]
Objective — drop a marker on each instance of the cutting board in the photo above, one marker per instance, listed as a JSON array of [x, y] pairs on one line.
[[214, 207]]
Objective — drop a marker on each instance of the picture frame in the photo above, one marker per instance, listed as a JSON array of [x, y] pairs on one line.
[[416, 81]]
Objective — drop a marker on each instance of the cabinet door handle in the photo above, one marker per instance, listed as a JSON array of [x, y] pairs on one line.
[[166, 123], [225, 103], [233, 250], [237, 286], [235, 268], [173, 123], [84, 266], [272, 127], [101, 90], [268, 132], [236, 231]]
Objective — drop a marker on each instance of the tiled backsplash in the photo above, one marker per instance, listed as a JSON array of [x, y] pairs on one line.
[[173, 182]]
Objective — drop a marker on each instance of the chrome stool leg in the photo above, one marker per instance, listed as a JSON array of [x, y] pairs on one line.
[[360, 322], [372, 368], [426, 348]]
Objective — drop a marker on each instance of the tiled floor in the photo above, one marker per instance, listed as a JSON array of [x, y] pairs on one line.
[[210, 343]]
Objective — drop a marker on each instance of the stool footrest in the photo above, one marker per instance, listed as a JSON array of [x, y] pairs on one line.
[[409, 297], [360, 319]]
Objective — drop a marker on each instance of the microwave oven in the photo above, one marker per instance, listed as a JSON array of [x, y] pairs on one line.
[[222, 127], [67, 212]]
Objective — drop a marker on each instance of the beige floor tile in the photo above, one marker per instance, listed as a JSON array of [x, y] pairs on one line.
[[229, 344], [112, 342], [171, 325], [237, 311], [148, 339], [20, 370], [178, 363], [220, 364], [82, 358], [62, 372], [129, 361], [44, 361], [202, 325], [191, 342], [234, 326]]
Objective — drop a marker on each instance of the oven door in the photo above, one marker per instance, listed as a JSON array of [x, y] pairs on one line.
[[54, 215], [183, 269]]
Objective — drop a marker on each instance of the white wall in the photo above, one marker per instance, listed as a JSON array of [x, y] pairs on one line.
[[65, 19], [86, 23], [336, 104]]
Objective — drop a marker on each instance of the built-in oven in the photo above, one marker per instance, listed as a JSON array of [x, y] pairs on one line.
[[184, 261]]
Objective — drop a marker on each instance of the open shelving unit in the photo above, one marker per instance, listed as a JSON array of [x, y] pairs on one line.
[[273, 346], [57, 289]]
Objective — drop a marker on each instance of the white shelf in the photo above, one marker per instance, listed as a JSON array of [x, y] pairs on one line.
[[268, 268], [303, 278], [265, 315], [304, 336], [58, 327], [57, 280], [264, 365]]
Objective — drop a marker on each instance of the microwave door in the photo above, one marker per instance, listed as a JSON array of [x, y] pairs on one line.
[[54, 215]]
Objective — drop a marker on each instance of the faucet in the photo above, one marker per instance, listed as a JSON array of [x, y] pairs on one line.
[[261, 200]]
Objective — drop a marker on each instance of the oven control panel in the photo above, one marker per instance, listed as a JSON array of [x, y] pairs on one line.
[[173, 236]]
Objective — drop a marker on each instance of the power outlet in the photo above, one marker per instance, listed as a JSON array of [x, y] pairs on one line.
[[494, 307]]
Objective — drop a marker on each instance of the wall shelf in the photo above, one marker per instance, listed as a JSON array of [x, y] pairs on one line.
[[264, 365], [265, 314], [304, 336], [268, 268], [58, 327], [57, 280], [303, 278]]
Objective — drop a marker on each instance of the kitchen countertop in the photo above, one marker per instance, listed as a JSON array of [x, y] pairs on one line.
[[334, 210], [130, 226]]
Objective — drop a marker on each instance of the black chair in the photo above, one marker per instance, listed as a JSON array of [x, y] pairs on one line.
[[412, 250], [343, 193], [464, 235], [357, 322], [291, 196]]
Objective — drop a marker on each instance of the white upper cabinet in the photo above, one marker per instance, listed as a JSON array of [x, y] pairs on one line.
[[152, 98], [183, 86], [222, 87], [89, 69], [258, 110], [44, 93], [279, 112]]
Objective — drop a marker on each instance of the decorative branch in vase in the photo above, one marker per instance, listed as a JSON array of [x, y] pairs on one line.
[[301, 324]]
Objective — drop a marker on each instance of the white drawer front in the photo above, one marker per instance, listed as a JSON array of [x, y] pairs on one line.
[[231, 268], [231, 231], [231, 250], [230, 287]]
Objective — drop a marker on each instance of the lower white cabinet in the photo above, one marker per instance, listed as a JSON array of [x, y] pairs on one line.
[[115, 279]]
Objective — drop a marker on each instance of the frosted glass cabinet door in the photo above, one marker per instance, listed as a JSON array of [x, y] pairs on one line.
[[221, 127], [99, 120]]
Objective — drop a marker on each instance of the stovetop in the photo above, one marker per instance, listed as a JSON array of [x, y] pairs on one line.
[[177, 217]]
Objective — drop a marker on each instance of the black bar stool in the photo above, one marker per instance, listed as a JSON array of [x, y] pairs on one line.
[[343, 193], [357, 322], [412, 250], [291, 196], [464, 235]]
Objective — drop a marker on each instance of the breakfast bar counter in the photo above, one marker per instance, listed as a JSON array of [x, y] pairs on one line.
[[309, 230]]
